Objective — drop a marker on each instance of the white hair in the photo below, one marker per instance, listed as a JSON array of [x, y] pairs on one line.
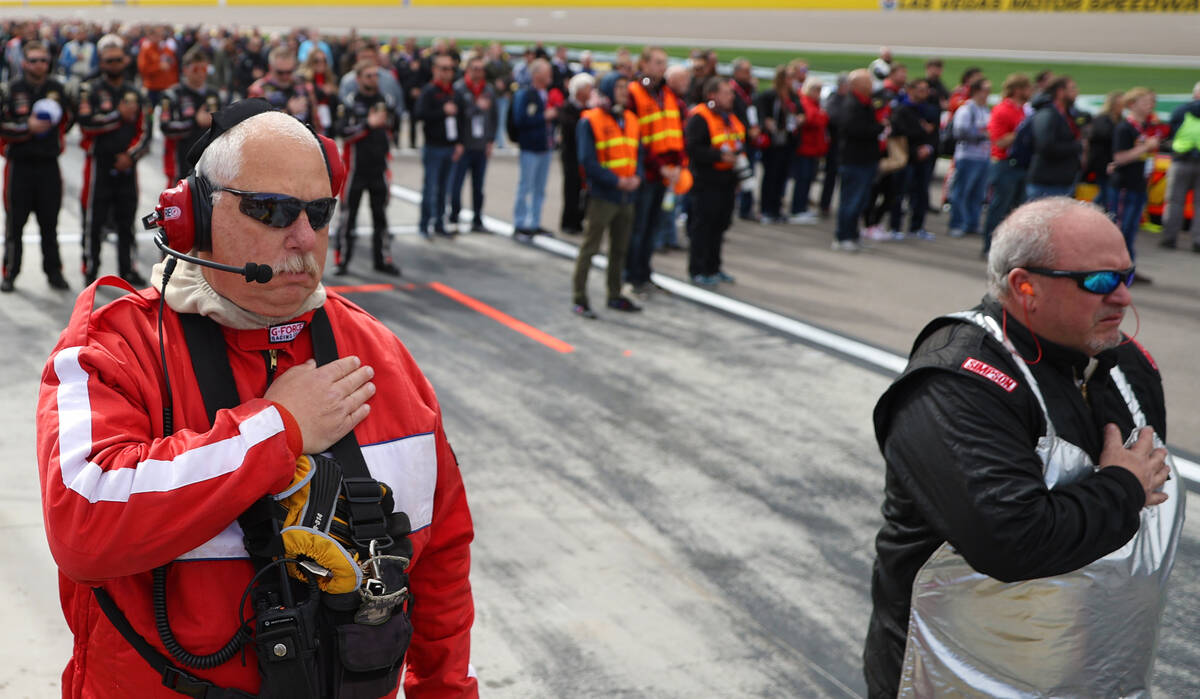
[[812, 81], [578, 82], [222, 160], [1023, 239], [677, 69], [110, 41]]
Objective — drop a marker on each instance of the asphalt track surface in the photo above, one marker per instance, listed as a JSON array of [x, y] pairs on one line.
[[684, 505], [681, 505]]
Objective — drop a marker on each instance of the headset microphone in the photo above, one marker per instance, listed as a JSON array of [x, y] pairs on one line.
[[253, 272]]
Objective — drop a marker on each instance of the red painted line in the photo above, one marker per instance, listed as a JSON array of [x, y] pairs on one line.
[[503, 318], [361, 288]]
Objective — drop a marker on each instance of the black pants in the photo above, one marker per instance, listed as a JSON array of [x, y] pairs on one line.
[[831, 171], [573, 204], [109, 198], [381, 240], [32, 186], [884, 193], [710, 217], [775, 162]]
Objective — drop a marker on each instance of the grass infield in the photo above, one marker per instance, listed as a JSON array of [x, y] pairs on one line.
[[1094, 79]]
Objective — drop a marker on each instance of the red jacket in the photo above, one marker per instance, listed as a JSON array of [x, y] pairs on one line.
[[814, 132], [1006, 117], [119, 499]]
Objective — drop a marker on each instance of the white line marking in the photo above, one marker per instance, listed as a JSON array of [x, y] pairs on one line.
[[892, 363]]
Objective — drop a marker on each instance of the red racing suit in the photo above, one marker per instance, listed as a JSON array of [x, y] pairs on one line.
[[120, 499]]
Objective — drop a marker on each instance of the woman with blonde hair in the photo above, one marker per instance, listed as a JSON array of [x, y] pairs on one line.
[[323, 82], [1135, 140]]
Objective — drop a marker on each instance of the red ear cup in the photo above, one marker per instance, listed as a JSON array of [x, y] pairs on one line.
[[1026, 288], [176, 217], [333, 162]]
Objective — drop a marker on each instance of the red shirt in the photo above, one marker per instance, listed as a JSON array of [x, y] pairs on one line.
[[814, 137], [1006, 117]]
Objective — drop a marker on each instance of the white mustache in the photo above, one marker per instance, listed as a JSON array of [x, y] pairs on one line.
[[295, 264]]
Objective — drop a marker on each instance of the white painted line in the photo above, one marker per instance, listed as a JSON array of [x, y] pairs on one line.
[[850, 347]]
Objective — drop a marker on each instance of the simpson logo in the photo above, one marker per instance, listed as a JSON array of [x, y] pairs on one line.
[[285, 333], [171, 213], [990, 373]]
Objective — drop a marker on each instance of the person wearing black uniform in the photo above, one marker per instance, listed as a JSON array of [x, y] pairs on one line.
[[187, 110], [32, 131], [365, 120], [441, 110], [1030, 516], [114, 116], [714, 139]]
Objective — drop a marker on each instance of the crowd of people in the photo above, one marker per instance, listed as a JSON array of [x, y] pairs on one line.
[[874, 136], [1051, 473]]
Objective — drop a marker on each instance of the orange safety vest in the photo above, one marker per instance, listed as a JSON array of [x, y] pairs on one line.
[[724, 136], [661, 125], [616, 149]]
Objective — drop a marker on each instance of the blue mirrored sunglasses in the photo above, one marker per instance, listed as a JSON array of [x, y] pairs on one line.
[[1102, 281]]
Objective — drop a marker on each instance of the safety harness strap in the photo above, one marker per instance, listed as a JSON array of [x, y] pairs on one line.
[[173, 677], [368, 521]]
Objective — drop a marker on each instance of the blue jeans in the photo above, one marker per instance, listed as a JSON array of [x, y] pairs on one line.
[[913, 185], [665, 233], [437, 161], [1008, 192], [647, 211], [531, 189], [1130, 203], [855, 188], [475, 162], [970, 184], [1041, 191], [804, 171], [501, 120]]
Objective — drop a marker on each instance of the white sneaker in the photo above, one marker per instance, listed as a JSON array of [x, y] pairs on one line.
[[846, 246], [896, 235], [452, 227], [957, 233], [876, 233], [805, 218]]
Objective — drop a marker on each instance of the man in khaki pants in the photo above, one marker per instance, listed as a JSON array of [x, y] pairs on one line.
[[611, 160]]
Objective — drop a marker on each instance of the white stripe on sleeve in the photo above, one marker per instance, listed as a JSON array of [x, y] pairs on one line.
[[150, 476]]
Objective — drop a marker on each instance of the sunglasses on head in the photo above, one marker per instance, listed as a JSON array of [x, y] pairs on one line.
[[282, 210], [1102, 282]]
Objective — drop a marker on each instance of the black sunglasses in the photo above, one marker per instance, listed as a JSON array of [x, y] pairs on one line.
[[113, 60], [37, 59], [1102, 282], [282, 210]]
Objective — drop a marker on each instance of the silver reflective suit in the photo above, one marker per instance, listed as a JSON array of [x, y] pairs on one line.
[[1088, 633]]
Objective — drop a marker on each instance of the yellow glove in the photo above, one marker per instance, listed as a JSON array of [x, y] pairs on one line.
[[310, 501]]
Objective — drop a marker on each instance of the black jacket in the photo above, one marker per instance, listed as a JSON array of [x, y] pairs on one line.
[[770, 106], [962, 468], [1100, 148], [1056, 147], [907, 121], [430, 110], [858, 131], [368, 146]]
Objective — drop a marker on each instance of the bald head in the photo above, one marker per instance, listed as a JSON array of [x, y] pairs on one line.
[[860, 81], [222, 161], [678, 78]]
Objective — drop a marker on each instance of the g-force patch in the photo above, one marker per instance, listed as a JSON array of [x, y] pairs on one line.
[[990, 373], [286, 332]]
